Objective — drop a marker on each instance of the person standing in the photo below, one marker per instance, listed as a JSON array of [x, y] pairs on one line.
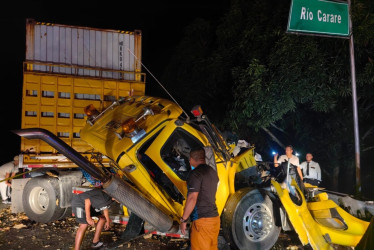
[[93, 203], [292, 159], [7, 170], [201, 206], [311, 170]]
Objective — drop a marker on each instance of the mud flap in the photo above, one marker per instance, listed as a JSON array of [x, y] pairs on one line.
[[301, 219], [135, 227], [17, 192], [133, 230]]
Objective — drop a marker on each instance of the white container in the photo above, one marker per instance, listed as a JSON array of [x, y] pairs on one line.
[[82, 51]]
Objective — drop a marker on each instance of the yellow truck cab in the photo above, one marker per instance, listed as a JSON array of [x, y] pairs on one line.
[[145, 137]]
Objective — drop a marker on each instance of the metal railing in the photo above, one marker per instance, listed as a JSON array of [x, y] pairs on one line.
[[83, 71]]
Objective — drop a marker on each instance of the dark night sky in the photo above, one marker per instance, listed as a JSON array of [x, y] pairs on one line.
[[161, 22]]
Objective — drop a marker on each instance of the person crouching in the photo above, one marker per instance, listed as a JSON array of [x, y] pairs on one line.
[[93, 203]]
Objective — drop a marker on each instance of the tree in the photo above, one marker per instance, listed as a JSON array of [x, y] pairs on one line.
[[281, 87]]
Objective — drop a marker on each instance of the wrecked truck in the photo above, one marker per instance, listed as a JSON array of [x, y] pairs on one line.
[[148, 139]]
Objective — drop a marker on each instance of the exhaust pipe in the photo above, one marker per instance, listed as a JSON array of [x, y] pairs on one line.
[[63, 148], [119, 189], [135, 201]]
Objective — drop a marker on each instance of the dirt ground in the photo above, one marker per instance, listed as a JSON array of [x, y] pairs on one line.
[[18, 232]]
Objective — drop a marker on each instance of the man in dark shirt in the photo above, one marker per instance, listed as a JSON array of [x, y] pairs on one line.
[[87, 205], [202, 185]]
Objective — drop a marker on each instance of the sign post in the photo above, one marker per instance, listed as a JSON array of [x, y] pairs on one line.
[[354, 101], [332, 19]]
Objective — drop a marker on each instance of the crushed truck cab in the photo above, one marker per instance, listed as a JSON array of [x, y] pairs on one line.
[[320, 222], [148, 141], [141, 135]]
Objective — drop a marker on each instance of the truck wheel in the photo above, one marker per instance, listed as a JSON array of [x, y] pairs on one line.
[[41, 200], [66, 213], [248, 221]]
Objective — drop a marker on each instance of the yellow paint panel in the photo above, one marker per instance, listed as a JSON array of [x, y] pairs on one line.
[[48, 87], [312, 232], [49, 79], [302, 221], [64, 102], [112, 92], [79, 123], [65, 88], [124, 86], [65, 81], [87, 90], [67, 104], [138, 88], [324, 213], [223, 190], [327, 204], [84, 103], [32, 78], [111, 84], [32, 86], [123, 93]]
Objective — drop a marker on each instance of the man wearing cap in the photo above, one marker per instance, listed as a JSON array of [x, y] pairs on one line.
[[7, 170], [311, 170]]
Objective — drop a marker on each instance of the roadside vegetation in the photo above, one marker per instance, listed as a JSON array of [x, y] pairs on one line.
[[273, 88]]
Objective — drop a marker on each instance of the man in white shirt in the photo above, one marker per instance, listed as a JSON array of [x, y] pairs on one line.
[[7, 170], [311, 170], [293, 159]]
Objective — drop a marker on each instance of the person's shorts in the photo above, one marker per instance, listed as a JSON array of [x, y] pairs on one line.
[[80, 214]]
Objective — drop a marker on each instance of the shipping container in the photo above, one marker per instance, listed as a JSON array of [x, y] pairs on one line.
[[68, 68], [83, 51]]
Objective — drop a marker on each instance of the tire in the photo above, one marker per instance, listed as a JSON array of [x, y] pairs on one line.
[[41, 200], [248, 220], [67, 212]]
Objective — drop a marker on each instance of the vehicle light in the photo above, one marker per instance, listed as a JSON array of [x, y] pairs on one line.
[[91, 111], [197, 111], [129, 126]]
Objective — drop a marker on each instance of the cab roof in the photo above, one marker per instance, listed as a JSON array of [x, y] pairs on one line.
[[105, 133]]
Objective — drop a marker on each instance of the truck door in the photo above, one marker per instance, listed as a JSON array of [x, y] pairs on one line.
[[170, 151]]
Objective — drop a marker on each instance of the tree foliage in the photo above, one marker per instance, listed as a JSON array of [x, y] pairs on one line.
[[249, 71]]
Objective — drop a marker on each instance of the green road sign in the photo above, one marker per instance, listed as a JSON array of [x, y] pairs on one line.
[[319, 17]]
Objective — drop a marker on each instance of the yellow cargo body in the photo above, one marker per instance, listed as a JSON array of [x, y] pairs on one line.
[[56, 102]]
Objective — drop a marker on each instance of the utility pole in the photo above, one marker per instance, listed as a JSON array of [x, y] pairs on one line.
[[354, 101]]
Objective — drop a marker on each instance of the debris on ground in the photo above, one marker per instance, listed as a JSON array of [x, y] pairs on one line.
[[18, 232]]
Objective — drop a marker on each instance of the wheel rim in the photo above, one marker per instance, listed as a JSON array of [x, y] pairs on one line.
[[39, 200], [257, 222]]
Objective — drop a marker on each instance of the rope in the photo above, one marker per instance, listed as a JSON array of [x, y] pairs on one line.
[[162, 86], [20, 174]]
